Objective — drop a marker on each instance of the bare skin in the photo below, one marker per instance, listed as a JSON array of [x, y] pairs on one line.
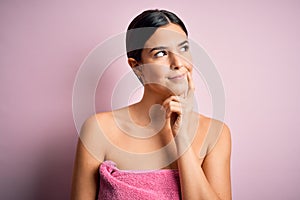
[[105, 138]]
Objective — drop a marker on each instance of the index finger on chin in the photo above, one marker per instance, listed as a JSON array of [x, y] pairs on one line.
[[190, 82]]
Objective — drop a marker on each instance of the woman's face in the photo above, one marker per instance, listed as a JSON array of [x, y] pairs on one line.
[[166, 59]]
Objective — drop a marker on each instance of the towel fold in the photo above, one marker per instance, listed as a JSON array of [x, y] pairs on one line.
[[116, 184]]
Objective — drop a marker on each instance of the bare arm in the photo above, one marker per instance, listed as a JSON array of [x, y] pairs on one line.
[[212, 179], [85, 181]]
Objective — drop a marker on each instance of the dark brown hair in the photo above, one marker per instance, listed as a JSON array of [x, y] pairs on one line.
[[144, 25]]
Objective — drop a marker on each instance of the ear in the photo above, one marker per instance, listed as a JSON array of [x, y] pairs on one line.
[[136, 67], [132, 62]]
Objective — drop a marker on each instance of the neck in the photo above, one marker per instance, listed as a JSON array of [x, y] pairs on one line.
[[148, 108]]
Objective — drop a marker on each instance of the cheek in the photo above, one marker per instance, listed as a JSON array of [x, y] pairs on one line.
[[155, 74], [189, 64]]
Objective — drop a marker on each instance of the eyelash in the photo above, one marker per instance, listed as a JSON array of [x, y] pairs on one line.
[[186, 48], [156, 54]]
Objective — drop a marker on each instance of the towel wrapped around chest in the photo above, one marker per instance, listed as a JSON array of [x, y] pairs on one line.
[[116, 184]]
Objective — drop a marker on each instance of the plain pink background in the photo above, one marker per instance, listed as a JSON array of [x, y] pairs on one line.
[[254, 44]]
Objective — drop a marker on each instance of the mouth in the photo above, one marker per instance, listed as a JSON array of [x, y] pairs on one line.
[[177, 77]]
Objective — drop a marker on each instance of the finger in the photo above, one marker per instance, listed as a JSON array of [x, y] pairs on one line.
[[172, 104], [191, 86], [168, 100], [173, 107], [173, 110], [190, 82]]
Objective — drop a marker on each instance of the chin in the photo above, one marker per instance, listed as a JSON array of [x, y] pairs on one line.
[[179, 90]]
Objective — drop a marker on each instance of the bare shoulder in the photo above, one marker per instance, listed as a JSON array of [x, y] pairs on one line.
[[215, 134], [93, 134], [104, 116], [109, 121], [216, 160], [214, 124], [101, 129], [96, 123]]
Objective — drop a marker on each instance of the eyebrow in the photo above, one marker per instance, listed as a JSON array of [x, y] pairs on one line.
[[157, 48], [182, 43], [163, 47]]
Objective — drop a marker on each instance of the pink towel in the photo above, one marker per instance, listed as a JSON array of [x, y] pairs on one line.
[[116, 184]]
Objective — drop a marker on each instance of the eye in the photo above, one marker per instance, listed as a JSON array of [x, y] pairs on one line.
[[184, 48], [160, 54]]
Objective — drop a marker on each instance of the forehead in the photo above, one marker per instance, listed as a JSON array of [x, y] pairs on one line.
[[169, 35]]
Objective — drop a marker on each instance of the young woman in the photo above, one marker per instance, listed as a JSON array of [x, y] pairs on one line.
[[158, 148]]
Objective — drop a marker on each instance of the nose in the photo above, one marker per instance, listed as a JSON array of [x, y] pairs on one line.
[[178, 61]]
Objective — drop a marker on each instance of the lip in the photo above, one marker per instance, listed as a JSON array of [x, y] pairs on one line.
[[176, 77]]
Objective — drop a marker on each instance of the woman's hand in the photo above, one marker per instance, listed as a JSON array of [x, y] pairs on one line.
[[179, 111]]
